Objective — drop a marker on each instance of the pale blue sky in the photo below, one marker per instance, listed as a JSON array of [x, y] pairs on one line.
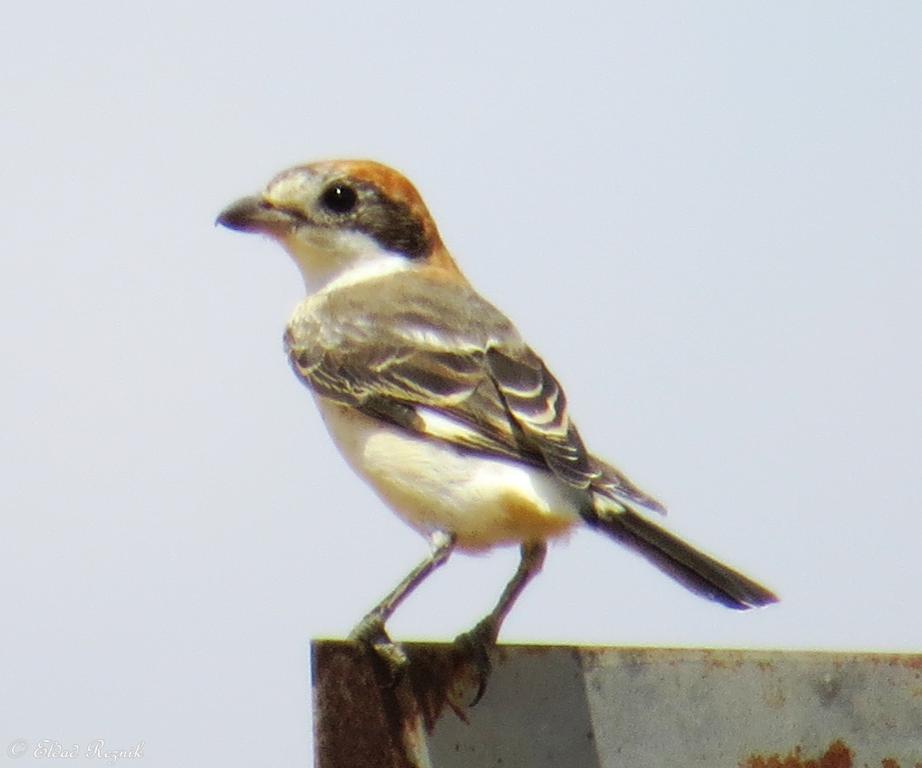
[[705, 215]]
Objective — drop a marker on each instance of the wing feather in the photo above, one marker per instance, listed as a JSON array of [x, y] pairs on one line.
[[450, 366], [538, 406]]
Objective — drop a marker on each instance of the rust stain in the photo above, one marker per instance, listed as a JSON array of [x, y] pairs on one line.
[[591, 658], [837, 755], [906, 660], [528, 650], [367, 719], [721, 659], [353, 726], [889, 762]]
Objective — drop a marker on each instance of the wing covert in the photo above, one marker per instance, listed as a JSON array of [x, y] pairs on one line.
[[445, 364], [537, 404]]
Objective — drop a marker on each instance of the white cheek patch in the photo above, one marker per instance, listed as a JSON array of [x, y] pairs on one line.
[[334, 258], [349, 245], [327, 255]]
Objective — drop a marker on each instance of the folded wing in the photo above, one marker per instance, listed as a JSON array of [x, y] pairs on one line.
[[452, 368]]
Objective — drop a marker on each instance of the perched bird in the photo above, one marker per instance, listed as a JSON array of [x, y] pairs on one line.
[[434, 398]]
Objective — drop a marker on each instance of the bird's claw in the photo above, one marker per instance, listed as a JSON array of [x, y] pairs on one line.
[[370, 632], [475, 645]]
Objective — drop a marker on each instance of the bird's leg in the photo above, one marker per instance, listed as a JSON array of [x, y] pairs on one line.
[[482, 637], [370, 630], [532, 558]]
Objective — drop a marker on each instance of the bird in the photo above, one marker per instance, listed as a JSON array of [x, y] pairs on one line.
[[434, 398]]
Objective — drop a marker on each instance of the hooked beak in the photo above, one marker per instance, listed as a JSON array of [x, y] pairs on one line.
[[255, 214]]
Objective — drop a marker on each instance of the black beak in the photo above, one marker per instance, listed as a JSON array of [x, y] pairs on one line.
[[254, 214]]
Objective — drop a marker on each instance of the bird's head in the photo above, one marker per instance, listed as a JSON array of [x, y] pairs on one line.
[[337, 216]]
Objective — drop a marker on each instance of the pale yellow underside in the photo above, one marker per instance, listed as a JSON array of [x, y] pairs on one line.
[[484, 501]]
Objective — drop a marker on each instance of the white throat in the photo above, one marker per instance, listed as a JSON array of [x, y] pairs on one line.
[[348, 259]]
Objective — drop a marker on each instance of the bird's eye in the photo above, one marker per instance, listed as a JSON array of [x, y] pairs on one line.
[[339, 198]]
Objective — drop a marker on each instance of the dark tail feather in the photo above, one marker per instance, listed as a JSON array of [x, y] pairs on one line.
[[695, 570]]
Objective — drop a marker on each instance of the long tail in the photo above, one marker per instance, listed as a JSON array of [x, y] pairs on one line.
[[695, 570]]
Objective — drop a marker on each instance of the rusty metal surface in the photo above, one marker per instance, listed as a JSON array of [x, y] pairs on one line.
[[356, 722], [608, 707], [754, 708]]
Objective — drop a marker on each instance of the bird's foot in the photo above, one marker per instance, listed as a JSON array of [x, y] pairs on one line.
[[475, 645], [370, 633]]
